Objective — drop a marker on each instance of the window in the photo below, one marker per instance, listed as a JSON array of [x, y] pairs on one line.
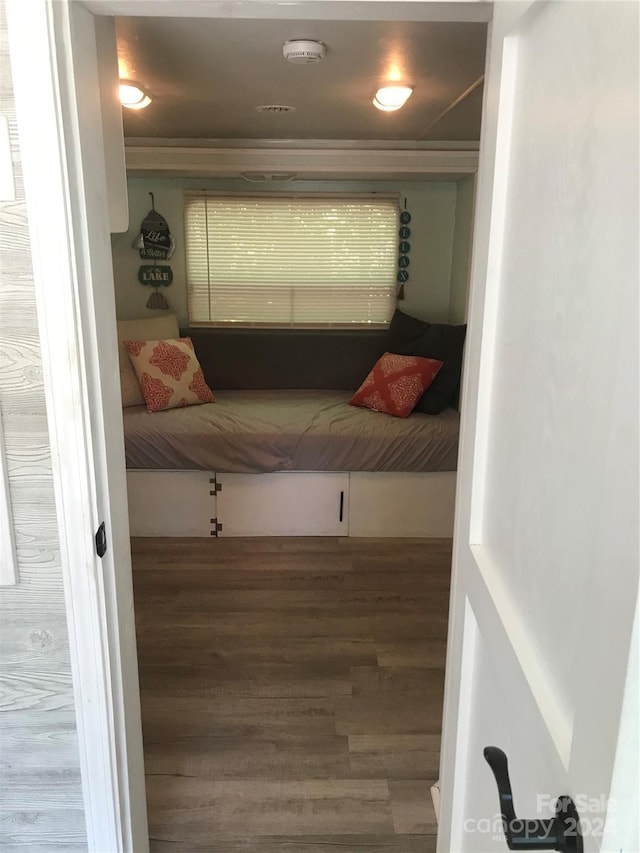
[[291, 261]]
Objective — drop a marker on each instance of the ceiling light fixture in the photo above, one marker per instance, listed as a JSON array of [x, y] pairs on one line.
[[391, 98], [133, 96]]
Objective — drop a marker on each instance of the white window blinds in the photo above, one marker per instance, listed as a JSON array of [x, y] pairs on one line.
[[283, 261]]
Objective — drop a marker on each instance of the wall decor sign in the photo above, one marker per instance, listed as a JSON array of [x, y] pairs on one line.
[[155, 243], [404, 247], [155, 274]]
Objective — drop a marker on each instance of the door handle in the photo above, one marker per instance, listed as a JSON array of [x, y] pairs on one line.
[[561, 832]]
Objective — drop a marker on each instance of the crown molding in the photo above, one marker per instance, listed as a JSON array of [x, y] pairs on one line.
[[478, 11], [269, 143], [308, 164]]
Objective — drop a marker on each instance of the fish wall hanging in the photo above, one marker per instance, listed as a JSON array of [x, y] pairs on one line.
[[155, 243]]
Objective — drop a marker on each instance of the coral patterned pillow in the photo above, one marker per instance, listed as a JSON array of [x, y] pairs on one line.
[[169, 373], [396, 383]]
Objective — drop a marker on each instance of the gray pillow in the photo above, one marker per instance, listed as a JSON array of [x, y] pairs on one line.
[[409, 336]]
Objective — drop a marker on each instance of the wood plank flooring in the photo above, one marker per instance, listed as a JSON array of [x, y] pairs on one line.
[[291, 692]]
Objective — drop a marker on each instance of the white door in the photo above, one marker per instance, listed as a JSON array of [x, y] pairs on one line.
[[546, 541]]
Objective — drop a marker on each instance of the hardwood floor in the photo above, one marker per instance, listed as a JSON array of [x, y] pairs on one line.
[[291, 692]]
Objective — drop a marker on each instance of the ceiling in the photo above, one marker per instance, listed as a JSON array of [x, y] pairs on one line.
[[206, 76]]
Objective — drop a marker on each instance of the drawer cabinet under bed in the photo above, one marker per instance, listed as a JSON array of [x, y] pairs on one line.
[[201, 503]]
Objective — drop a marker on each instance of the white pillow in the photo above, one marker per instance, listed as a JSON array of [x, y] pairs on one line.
[[151, 328]]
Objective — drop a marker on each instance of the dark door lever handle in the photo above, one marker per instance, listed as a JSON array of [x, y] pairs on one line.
[[561, 832]]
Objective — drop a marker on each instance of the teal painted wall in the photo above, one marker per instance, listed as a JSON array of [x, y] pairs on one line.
[[461, 250], [432, 206]]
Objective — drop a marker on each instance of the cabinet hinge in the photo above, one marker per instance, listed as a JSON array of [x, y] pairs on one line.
[[217, 487], [216, 526]]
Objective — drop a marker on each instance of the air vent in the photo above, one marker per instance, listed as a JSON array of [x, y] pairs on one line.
[[261, 177], [303, 51], [275, 108]]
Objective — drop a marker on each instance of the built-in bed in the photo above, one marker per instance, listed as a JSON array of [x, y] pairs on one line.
[[278, 453], [258, 432]]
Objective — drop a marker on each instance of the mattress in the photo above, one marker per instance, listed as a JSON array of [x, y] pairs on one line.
[[256, 432]]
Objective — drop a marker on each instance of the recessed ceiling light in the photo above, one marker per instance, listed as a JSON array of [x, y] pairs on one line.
[[391, 98], [133, 96]]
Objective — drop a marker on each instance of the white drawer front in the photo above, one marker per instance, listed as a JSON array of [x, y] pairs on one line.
[[171, 503], [402, 504]]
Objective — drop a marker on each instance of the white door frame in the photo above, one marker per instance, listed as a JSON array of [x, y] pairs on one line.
[[457, 713], [101, 629], [63, 248]]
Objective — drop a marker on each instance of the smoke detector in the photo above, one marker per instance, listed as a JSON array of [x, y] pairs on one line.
[[303, 51]]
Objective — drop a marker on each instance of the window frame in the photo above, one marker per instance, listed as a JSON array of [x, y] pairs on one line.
[[294, 196]]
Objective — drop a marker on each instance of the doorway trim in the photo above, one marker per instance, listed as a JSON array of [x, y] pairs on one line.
[[50, 190]]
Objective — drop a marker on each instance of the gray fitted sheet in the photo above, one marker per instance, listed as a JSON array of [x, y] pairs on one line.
[[253, 432]]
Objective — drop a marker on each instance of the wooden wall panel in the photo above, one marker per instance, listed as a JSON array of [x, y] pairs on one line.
[[40, 790]]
